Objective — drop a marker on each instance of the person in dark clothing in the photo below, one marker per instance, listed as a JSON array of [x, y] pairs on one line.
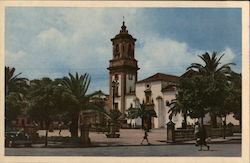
[[145, 137], [60, 127], [201, 138]]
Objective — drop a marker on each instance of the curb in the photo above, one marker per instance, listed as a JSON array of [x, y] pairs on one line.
[[131, 145]]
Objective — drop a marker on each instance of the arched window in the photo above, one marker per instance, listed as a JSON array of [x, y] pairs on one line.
[[116, 77], [117, 53]]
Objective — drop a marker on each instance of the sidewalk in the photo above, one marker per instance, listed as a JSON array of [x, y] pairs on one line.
[[132, 137], [128, 137], [236, 138]]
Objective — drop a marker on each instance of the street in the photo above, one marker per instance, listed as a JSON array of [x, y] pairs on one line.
[[220, 150]]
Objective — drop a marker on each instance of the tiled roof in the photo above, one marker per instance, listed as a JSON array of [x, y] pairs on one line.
[[97, 93], [160, 77], [169, 88]]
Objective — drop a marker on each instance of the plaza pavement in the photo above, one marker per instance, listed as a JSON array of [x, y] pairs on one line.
[[129, 145], [133, 137]]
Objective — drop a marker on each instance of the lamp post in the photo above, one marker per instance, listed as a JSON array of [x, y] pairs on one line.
[[112, 132], [114, 85]]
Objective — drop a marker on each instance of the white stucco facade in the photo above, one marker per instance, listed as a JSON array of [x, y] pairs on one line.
[[160, 99]]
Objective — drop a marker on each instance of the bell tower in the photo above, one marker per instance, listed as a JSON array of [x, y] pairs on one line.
[[122, 69]]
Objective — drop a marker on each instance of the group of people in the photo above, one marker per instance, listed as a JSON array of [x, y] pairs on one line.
[[200, 136]]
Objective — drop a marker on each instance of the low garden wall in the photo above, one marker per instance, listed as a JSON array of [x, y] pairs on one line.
[[184, 134], [188, 134]]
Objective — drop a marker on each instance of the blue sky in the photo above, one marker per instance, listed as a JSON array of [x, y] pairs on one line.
[[52, 42]]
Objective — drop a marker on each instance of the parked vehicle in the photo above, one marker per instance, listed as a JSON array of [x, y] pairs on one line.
[[17, 138]]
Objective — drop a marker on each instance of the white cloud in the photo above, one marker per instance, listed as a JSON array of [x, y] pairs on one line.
[[84, 40], [229, 56], [51, 36], [12, 58], [164, 55], [79, 40]]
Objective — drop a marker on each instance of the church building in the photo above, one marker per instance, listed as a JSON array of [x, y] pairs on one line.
[[126, 91]]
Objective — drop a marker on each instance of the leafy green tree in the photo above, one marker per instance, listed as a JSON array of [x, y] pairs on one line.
[[15, 104], [142, 112], [77, 86], [217, 77], [45, 102], [233, 100], [191, 97]]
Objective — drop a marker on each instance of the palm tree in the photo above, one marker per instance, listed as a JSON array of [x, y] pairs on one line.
[[211, 66], [113, 116], [212, 70], [77, 86], [176, 107], [144, 113], [13, 83], [15, 90]]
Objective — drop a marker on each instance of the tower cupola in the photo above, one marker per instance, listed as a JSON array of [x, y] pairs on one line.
[[123, 28], [123, 44]]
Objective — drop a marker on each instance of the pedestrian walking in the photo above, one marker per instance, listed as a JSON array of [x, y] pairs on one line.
[[60, 127], [196, 131], [201, 138], [145, 137]]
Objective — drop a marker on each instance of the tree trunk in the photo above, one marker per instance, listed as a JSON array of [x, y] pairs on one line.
[[202, 121], [185, 120], [142, 123], [74, 126], [46, 135], [213, 120], [224, 127], [149, 122]]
